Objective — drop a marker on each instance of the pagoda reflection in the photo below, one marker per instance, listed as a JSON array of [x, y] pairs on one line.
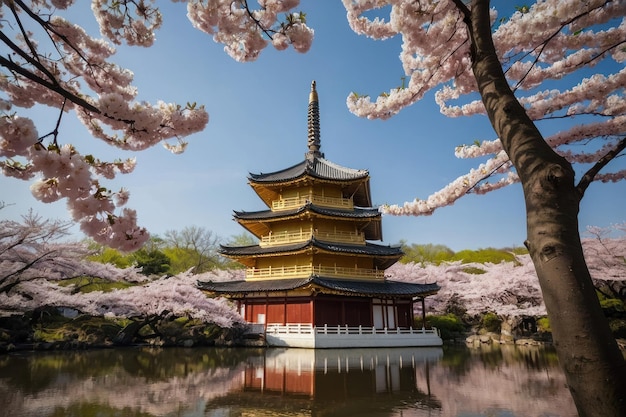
[[330, 382]]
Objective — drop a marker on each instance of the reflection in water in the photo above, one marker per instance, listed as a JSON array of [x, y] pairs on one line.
[[140, 382]]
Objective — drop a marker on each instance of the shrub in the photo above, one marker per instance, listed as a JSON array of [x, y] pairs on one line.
[[543, 325], [474, 270], [618, 327], [491, 322], [449, 325], [612, 304]]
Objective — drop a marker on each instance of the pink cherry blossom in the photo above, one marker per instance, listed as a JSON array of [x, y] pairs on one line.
[[435, 56]]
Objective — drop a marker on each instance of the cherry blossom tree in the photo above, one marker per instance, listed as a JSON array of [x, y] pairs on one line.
[[176, 296], [518, 71], [36, 267], [511, 288], [48, 61], [606, 257], [34, 249]]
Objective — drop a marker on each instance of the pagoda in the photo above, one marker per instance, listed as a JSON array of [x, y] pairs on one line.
[[316, 278]]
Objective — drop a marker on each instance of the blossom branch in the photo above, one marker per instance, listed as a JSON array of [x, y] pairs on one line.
[[588, 177]]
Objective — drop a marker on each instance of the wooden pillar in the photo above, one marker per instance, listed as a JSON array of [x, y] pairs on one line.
[[423, 313]]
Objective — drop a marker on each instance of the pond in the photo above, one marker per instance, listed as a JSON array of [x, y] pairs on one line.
[[494, 381]]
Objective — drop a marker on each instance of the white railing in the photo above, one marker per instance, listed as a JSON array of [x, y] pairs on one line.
[[362, 330], [296, 328], [305, 270]]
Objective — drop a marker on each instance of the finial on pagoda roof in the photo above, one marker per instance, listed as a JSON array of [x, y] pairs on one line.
[[314, 124]]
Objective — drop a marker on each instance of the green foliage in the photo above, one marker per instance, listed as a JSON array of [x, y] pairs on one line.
[[473, 270], [543, 325], [49, 335], [193, 248], [111, 256], [427, 253], [181, 259], [612, 304], [152, 262], [84, 329], [488, 255], [436, 254], [491, 322], [449, 325]]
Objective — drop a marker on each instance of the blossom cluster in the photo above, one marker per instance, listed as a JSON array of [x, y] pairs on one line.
[[34, 259], [176, 296], [511, 288], [85, 82], [472, 181], [245, 32], [549, 41], [34, 250]]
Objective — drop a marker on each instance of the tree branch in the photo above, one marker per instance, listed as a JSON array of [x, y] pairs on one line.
[[587, 178], [464, 10], [47, 84]]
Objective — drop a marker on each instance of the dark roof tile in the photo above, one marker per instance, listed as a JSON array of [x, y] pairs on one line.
[[358, 212], [353, 287], [317, 167], [367, 249]]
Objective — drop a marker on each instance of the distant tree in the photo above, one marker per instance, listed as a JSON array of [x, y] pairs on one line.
[[490, 255], [242, 239], [425, 253], [193, 248], [107, 255], [152, 261]]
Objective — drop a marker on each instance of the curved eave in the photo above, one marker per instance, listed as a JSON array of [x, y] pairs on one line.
[[359, 190], [318, 167], [258, 222], [354, 182], [383, 256], [383, 289]]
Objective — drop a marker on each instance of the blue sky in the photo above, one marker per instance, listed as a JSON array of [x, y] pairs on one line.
[[258, 123]]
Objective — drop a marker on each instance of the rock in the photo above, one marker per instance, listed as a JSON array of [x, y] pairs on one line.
[[528, 342]]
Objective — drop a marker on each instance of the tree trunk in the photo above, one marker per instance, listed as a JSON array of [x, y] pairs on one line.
[[593, 364]]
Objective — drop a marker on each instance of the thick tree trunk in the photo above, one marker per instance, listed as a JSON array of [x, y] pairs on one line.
[[593, 364]]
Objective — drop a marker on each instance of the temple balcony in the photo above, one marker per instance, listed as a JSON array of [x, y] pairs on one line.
[[299, 271], [318, 200], [340, 237], [284, 238]]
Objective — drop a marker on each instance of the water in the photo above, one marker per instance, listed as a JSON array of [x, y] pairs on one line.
[[217, 382]]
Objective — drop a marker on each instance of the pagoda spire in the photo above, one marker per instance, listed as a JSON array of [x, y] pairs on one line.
[[314, 125]]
